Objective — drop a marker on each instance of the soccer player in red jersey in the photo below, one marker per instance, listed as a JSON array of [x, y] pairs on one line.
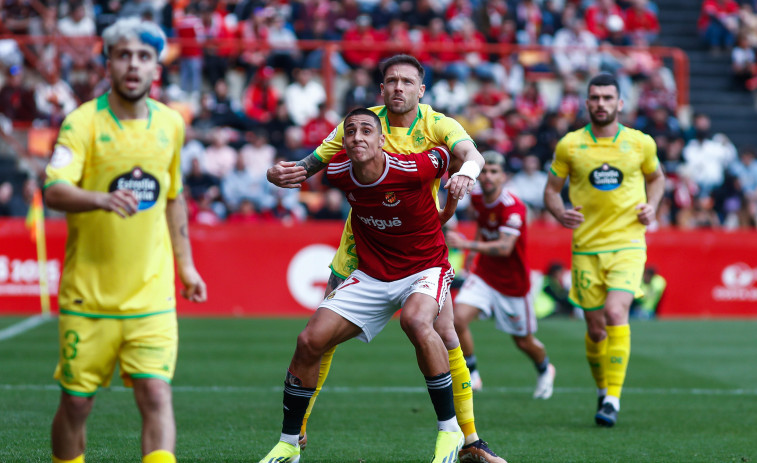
[[498, 286], [403, 264]]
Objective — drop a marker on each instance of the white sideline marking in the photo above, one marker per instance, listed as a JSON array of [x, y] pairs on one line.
[[401, 390], [23, 326]]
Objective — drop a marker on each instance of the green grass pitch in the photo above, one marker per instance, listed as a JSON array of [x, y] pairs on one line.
[[690, 396]]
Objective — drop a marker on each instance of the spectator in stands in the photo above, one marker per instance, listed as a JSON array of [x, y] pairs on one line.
[[319, 127], [283, 42], [16, 16], [706, 157], [278, 125], [655, 93], [261, 98], [190, 31], [362, 33], [457, 13], [476, 60], [744, 64], [529, 183], [107, 11], [200, 183], [398, 33], [53, 96], [219, 156], [662, 124], [240, 184], [523, 145], [11, 205], [383, 11], [475, 123], [245, 213], [423, 11], [553, 127], [551, 21], [528, 20], [226, 111], [75, 54], [216, 58], [596, 17], [448, 95], [718, 23], [253, 29], [531, 105], [571, 104], [303, 96], [748, 23], [320, 30], [257, 154], [361, 93], [293, 149], [16, 98], [730, 203], [436, 61], [640, 20], [577, 47], [492, 101], [333, 207], [745, 169]]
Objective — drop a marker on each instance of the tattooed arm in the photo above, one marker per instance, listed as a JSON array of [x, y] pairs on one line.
[[292, 174], [176, 216]]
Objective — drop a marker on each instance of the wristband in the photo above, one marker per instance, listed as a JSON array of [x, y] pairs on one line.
[[469, 169]]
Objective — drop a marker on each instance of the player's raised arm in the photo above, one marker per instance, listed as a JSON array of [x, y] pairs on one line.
[[287, 174], [462, 181], [70, 198], [176, 216]]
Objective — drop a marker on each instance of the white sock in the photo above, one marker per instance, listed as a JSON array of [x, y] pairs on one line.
[[602, 392], [449, 425], [293, 439], [612, 400]]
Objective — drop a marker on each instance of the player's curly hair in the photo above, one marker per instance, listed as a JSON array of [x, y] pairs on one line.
[[127, 28], [403, 59]]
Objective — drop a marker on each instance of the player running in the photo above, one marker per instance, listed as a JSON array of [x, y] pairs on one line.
[[615, 187], [408, 127], [403, 264], [499, 283], [115, 172]]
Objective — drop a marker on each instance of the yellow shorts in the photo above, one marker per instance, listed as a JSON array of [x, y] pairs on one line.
[[594, 274], [345, 259], [145, 347]]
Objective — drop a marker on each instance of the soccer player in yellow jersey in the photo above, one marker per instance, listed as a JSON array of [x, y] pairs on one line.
[[615, 187], [408, 127], [115, 172]]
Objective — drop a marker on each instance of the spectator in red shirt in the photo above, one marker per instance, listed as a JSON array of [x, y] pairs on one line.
[[492, 101], [718, 23], [640, 20], [476, 60], [364, 34], [596, 17], [261, 97], [318, 128], [435, 61], [188, 29], [531, 105], [16, 99]]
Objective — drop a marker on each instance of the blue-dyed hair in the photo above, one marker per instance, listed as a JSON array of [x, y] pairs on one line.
[[147, 32]]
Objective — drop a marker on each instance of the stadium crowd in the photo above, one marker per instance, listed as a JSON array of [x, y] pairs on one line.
[[248, 107]]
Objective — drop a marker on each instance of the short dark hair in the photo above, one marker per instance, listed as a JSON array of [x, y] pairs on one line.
[[403, 59], [604, 79], [364, 112]]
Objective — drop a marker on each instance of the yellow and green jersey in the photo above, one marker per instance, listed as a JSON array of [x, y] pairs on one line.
[[606, 178], [119, 267], [429, 129]]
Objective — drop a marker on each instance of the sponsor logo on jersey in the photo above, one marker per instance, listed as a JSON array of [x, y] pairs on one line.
[[514, 221], [331, 136], [390, 199], [381, 224], [606, 177], [145, 186], [62, 156]]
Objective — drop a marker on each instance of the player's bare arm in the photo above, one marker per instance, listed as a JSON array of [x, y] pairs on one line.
[[449, 209], [291, 174], [503, 246], [655, 188], [176, 215], [568, 218], [69, 198], [464, 180]]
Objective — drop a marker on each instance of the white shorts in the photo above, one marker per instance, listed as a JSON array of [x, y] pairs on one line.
[[513, 315], [370, 303]]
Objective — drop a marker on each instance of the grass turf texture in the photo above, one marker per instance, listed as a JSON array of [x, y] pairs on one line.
[[690, 396]]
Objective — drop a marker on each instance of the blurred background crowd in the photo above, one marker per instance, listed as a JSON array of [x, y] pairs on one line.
[[256, 84]]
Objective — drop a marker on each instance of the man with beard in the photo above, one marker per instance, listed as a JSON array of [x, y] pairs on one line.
[[615, 187], [115, 172], [408, 127]]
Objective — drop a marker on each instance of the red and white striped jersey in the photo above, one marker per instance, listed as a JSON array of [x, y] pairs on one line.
[[395, 220]]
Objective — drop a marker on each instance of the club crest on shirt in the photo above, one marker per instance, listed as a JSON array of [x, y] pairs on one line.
[[419, 140], [606, 177], [62, 156], [390, 199], [145, 186], [330, 137], [493, 221]]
